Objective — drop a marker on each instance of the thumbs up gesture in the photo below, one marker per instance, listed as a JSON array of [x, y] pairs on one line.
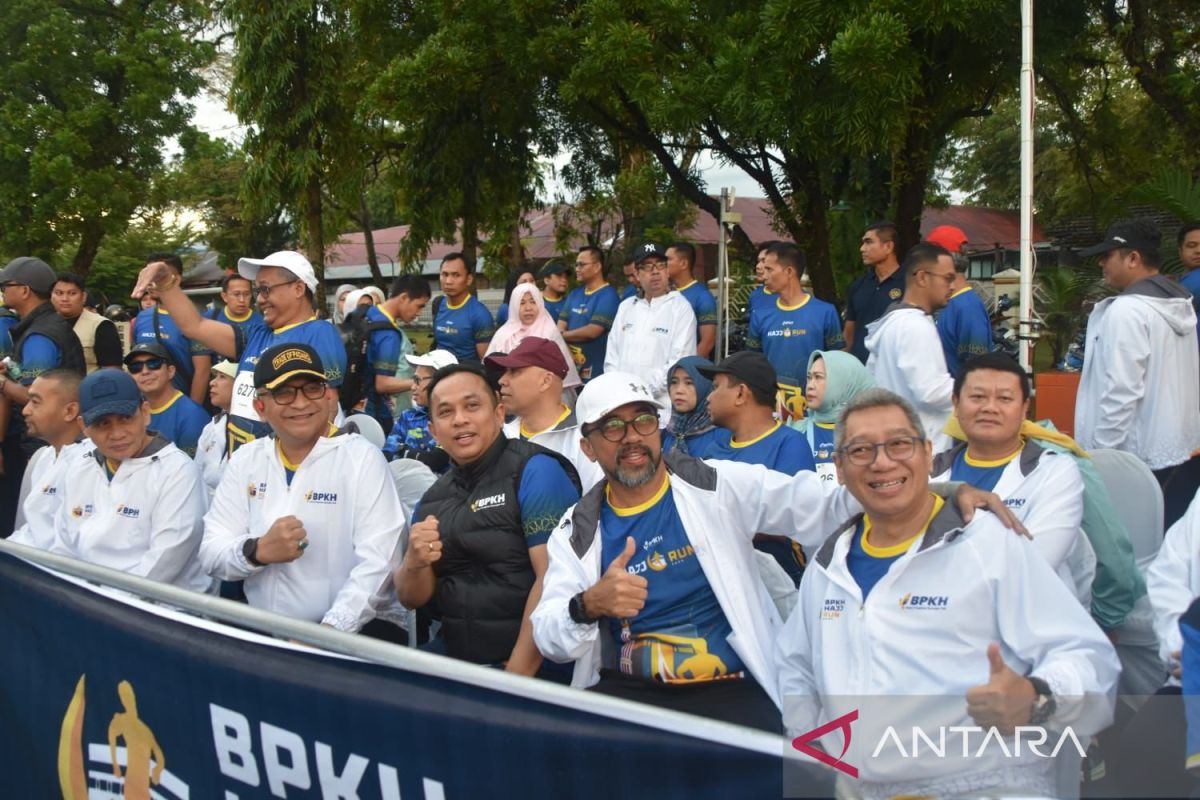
[[1005, 701], [618, 593]]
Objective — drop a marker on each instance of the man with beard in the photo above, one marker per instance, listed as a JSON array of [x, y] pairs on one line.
[[653, 589]]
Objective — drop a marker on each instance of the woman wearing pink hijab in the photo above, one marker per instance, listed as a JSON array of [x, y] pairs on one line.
[[528, 316]]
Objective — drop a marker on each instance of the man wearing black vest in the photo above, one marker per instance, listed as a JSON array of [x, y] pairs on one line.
[[42, 341], [477, 550]]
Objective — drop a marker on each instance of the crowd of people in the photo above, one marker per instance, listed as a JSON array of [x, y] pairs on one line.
[[856, 505]]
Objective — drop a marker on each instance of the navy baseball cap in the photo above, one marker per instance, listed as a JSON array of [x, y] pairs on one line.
[[147, 349], [108, 391], [552, 268], [1132, 234], [749, 367], [648, 250]]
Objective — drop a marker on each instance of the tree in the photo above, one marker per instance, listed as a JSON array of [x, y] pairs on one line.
[[90, 91]]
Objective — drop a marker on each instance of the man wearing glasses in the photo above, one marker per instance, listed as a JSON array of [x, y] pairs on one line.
[[653, 331], [912, 616], [308, 518], [172, 413], [588, 315], [906, 354], [192, 359], [653, 588], [238, 311], [285, 284]]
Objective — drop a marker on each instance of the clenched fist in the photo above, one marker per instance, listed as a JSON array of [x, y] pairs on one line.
[[284, 541], [424, 544]]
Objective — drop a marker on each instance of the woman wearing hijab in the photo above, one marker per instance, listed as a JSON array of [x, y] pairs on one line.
[[834, 378], [531, 318], [690, 431], [339, 303], [516, 277]]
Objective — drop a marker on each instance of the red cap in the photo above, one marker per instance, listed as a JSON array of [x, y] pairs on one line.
[[947, 236], [533, 351]]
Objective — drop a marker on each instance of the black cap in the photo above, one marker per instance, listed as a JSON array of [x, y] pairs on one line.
[[552, 268], [31, 272], [751, 368], [147, 349], [287, 360], [648, 250], [1134, 234]]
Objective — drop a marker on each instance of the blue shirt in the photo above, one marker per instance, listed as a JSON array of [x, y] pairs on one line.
[[1189, 628], [7, 323], [584, 308], [554, 307], [681, 634], [868, 564], [629, 291], [460, 328], [702, 445], [820, 434], [782, 449], [1191, 281], [317, 334], [181, 421], [246, 327], [965, 328], [385, 348], [787, 335], [866, 300], [169, 336], [38, 354], [980, 474], [703, 304], [501, 314]]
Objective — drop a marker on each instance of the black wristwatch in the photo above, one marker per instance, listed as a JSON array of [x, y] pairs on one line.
[[1043, 703], [578, 612], [250, 550]]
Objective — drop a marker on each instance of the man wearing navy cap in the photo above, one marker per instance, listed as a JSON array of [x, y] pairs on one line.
[[134, 502], [554, 287]]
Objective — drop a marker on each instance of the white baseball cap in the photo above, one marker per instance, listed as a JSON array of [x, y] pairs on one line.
[[605, 394], [227, 368], [434, 359], [290, 260]]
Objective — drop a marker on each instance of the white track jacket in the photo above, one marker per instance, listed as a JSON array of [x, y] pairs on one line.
[[923, 632], [722, 504], [147, 521], [344, 495], [41, 494], [1140, 387], [906, 357], [1173, 581], [648, 336]]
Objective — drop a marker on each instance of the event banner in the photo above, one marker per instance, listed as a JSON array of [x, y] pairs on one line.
[[104, 698]]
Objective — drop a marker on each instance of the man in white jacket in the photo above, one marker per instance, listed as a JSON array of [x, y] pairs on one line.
[[308, 518], [654, 330], [1140, 387], [912, 617], [52, 415], [653, 588], [906, 354], [133, 502]]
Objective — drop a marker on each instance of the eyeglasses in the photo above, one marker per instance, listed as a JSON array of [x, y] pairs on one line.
[[154, 364], [613, 428], [263, 291], [948, 277], [652, 266], [286, 395], [898, 448], [247, 295]]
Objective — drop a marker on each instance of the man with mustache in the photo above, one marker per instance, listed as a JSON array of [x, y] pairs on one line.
[[652, 588]]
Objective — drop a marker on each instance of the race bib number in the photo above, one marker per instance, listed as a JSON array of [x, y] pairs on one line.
[[243, 397], [827, 472]]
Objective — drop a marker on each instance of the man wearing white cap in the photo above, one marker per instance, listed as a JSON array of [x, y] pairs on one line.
[[284, 285], [652, 587], [410, 436]]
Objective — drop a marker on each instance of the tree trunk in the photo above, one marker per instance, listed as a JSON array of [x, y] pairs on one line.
[[85, 254], [470, 235], [369, 239], [316, 236], [911, 168]]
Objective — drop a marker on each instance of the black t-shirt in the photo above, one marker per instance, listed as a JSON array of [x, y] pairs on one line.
[[866, 301]]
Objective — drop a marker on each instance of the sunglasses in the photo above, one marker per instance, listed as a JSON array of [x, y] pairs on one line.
[[150, 363]]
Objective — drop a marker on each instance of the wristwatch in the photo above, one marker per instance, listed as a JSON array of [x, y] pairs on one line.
[[250, 550], [1043, 703], [578, 611]]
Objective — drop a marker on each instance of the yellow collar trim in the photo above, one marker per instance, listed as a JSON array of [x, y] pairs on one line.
[[999, 462], [111, 466], [178, 394], [902, 548], [826, 425], [779, 303], [232, 318], [293, 325], [629, 512], [963, 290], [289, 466], [161, 310], [688, 286], [598, 288], [389, 317], [734, 443], [451, 307], [527, 434]]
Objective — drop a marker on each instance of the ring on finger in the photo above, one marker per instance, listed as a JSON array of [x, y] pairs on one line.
[[431, 547], [303, 543]]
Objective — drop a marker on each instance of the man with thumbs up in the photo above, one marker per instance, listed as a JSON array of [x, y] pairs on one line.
[[909, 609]]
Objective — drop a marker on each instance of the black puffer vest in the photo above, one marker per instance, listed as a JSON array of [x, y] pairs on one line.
[[46, 321], [484, 575]]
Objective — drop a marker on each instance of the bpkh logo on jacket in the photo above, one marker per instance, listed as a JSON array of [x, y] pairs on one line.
[[491, 501], [324, 498], [925, 602], [128, 511]]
